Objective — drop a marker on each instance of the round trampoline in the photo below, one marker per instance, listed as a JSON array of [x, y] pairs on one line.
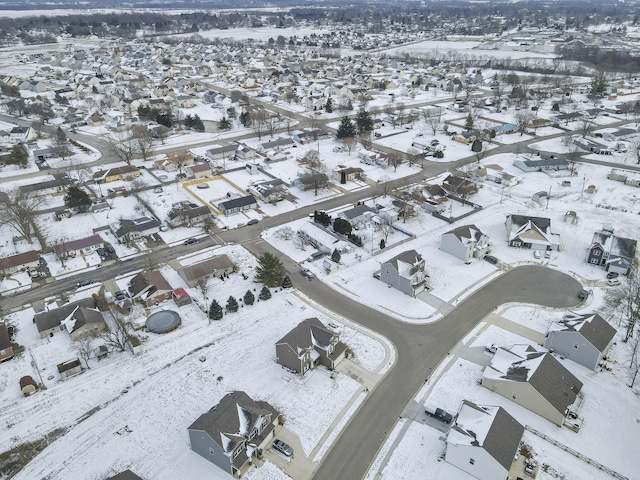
[[163, 322]]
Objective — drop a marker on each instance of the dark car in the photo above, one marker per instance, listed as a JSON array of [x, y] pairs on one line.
[[84, 283], [190, 241], [282, 447], [583, 294], [110, 249], [612, 275], [438, 413], [490, 259], [253, 221], [102, 252]]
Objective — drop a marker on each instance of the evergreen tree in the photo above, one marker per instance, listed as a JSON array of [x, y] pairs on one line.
[[340, 225], [215, 311], [77, 199], [349, 105], [364, 121], [382, 244], [329, 105], [265, 294], [346, 129], [245, 119], [249, 298], [19, 156], [197, 124], [469, 122], [286, 283], [232, 304], [224, 124], [270, 271], [335, 256]]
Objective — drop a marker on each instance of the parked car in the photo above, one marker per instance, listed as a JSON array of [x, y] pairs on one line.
[[202, 186], [536, 254], [282, 447], [157, 190], [583, 294], [84, 283], [491, 348], [613, 282], [253, 221], [110, 249], [190, 241], [120, 295], [438, 413], [612, 274], [315, 256], [547, 254], [490, 259], [102, 252], [306, 273]]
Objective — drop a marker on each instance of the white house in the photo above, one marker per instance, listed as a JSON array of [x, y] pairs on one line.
[[465, 242]]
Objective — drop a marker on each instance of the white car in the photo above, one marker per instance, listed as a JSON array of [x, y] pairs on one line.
[[613, 282], [491, 348], [536, 254]]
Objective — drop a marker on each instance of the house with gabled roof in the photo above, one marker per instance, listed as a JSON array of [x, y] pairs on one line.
[[20, 261], [80, 318], [531, 232], [584, 338], [150, 288], [237, 205], [465, 242], [125, 475], [189, 214], [206, 270], [530, 376], [125, 172], [82, 246], [6, 349], [405, 272], [231, 434], [615, 253], [308, 345], [484, 441], [134, 230]]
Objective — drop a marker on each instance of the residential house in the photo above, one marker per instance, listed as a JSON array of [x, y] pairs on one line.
[[405, 272], [615, 253], [6, 349], [322, 239], [583, 338], [531, 232], [358, 215], [309, 344], [150, 288], [231, 434], [496, 174], [542, 164], [347, 174], [126, 172], [269, 191], [530, 376], [134, 230], [207, 269], [189, 214], [459, 186], [484, 441], [221, 153], [20, 261], [28, 386], [79, 319], [126, 475], [237, 205], [69, 368], [57, 186], [83, 246], [465, 242], [277, 144], [19, 134], [174, 163], [201, 170]]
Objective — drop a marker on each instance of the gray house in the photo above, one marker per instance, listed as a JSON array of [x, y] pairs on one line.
[[542, 164], [465, 242], [83, 313], [189, 214], [583, 338], [134, 230], [231, 433], [238, 205], [530, 376], [405, 272], [309, 344], [531, 232], [615, 253], [484, 441], [207, 269]]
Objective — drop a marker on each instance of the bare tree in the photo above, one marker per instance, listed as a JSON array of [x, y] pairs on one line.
[[203, 287], [285, 233], [18, 210], [349, 143], [385, 181], [413, 155], [523, 120], [300, 241], [626, 300], [635, 149], [119, 333], [433, 118], [60, 144], [394, 159], [585, 126], [259, 122], [124, 146], [144, 142], [84, 349]]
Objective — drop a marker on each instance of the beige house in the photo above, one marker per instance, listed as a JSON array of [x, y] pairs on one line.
[[206, 270], [532, 377]]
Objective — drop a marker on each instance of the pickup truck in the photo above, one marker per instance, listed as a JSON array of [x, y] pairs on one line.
[[438, 413]]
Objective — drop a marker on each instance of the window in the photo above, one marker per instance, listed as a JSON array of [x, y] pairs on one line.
[[596, 253], [575, 345], [516, 243], [514, 395], [472, 461], [595, 261]]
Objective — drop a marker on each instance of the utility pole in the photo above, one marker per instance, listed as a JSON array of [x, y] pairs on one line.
[[548, 197]]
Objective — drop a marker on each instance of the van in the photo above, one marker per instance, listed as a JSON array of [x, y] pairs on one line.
[[157, 190], [315, 256]]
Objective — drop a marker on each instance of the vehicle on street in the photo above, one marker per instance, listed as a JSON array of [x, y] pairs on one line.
[[282, 447], [490, 259], [315, 256], [438, 413], [157, 190], [306, 273], [612, 282], [253, 221], [435, 142], [583, 294], [84, 283], [491, 348], [536, 254], [612, 274], [190, 241]]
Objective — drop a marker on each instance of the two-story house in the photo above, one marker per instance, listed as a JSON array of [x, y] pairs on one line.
[[405, 272], [150, 288], [308, 345], [233, 431], [615, 253], [465, 242], [531, 232]]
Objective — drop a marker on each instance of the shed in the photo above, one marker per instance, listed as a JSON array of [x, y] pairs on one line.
[[28, 385], [69, 368]]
